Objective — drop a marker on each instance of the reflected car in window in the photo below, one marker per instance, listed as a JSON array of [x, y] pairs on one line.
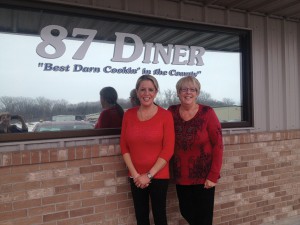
[[61, 126]]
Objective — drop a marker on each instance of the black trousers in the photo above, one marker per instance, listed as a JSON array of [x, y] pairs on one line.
[[196, 203], [157, 191]]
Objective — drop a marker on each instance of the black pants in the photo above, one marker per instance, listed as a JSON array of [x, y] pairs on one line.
[[157, 190], [196, 203]]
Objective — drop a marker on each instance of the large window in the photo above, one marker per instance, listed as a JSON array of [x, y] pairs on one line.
[[55, 60]]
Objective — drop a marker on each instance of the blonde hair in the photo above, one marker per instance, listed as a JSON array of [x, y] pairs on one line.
[[147, 77], [188, 79]]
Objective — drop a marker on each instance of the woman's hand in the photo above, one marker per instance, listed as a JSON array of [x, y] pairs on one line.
[[209, 184], [142, 181]]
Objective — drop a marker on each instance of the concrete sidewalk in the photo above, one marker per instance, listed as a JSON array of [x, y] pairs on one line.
[[295, 220]]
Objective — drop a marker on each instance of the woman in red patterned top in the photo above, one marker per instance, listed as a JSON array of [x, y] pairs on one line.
[[112, 114], [198, 153], [147, 144]]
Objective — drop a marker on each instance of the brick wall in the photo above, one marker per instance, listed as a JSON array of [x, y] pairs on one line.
[[84, 182]]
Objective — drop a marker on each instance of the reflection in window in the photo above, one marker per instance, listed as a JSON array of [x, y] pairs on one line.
[[67, 86]]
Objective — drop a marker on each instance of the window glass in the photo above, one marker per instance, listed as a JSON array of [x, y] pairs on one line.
[[54, 65]]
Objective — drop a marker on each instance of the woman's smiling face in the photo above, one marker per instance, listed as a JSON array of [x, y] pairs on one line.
[[146, 92], [188, 93]]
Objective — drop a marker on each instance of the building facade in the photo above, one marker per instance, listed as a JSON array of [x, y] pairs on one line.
[[83, 180]]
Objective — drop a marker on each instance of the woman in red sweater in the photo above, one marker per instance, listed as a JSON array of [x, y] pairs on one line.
[[112, 114], [198, 153], [147, 144]]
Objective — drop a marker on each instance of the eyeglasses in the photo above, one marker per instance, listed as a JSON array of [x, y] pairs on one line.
[[188, 89]]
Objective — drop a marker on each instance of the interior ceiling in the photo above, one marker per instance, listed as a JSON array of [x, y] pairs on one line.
[[288, 9]]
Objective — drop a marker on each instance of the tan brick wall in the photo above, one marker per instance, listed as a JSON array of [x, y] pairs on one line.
[[87, 184]]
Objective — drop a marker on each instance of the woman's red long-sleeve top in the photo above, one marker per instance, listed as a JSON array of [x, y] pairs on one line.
[[109, 118], [146, 141], [198, 147]]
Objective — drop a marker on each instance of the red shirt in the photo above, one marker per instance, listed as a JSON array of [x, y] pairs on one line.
[[146, 141], [198, 147], [109, 118]]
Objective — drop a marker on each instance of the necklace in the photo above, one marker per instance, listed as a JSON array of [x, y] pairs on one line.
[[147, 114]]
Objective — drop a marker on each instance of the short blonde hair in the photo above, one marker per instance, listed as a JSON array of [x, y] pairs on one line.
[[188, 79]]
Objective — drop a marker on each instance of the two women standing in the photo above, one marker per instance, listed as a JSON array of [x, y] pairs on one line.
[[147, 144]]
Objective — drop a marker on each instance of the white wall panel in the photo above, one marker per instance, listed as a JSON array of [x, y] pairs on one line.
[[274, 76], [113, 4], [216, 16], [237, 19], [259, 62], [192, 12], [291, 75], [276, 51], [168, 9], [144, 7]]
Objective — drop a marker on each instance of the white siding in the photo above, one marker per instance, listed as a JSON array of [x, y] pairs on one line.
[[291, 75], [275, 49], [259, 62], [274, 75]]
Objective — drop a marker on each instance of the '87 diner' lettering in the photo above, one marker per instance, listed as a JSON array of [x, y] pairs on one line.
[[171, 54]]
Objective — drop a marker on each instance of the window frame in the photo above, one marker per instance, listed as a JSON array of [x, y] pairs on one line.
[[246, 61]]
